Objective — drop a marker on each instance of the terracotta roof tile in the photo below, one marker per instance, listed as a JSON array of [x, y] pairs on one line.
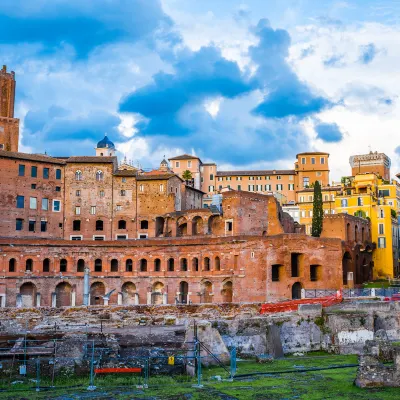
[[92, 159], [31, 157], [255, 173], [184, 157]]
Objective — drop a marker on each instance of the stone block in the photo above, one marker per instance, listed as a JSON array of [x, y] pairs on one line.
[[310, 309]]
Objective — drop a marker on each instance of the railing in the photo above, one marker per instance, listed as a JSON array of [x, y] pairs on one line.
[[349, 293]]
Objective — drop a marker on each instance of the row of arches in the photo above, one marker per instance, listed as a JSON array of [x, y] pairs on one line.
[[144, 265], [64, 294], [358, 235]]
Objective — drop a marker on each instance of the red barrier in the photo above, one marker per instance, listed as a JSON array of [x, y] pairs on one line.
[[293, 305], [117, 370]]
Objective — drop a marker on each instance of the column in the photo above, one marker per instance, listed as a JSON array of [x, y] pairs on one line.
[[86, 288], [136, 299], [3, 300], [119, 300], [38, 299], [73, 298], [18, 300], [188, 298], [53, 299], [148, 297], [303, 293], [165, 298]]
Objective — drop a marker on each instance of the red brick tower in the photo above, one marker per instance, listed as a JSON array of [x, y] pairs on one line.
[[9, 126]]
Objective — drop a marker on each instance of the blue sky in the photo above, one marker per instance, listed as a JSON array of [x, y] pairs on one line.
[[242, 83]]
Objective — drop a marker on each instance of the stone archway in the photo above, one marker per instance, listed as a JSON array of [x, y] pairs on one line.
[[97, 290], [296, 291], [157, 293], [197, 226], [227, 292], [182, 227], [28, 294], [128, 293], [207, 292], [63, 294]]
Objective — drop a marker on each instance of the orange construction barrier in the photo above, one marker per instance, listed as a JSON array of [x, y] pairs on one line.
[[117, 370], [293, 305]]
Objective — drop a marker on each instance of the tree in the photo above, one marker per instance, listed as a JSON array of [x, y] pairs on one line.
[[187, 175], [318, 212]]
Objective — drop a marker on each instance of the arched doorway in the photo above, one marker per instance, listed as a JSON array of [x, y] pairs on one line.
[[182, 227], [128, 293], [346, 266], [197, 226], [157, 293], [159, 226], [296, 291], [28, 294], [183, 292], [227, 292], [63, 294], [97, 290]]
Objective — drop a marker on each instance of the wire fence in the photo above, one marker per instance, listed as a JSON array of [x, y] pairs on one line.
[[349, 293]]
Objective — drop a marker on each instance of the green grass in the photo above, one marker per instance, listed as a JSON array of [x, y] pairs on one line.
[[377, 284], [314, 385]]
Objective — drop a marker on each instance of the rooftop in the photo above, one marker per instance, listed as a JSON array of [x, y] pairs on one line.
[[31, 157], [185, 157], [259, 172]]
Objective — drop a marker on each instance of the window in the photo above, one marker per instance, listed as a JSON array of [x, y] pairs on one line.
[[76, 225], [211, 188], [19, 224], [123, 180], [177, 164], [143, 265], [303, 160], [78, 193], [56, 205], [171, 264], [312, 160], [295, 264], [310, 213], [306, 181], [268, 178], [278, 177], [80, 267], [290, 177], [326, 197], [211, 177], [58, 188], [343, 203], [32, 224], [275, 269], [310, 198], [93, 210], [195, 264], [33, 172], [20, 201], [143, 236], [45, 204], [78, 175], [219, 187], [121, 224], [99, 225], [220, 179], [101, 193], [114, 265], [58, 173], [46, 173], [144, 224], [238, 178], [33, 186], [33, 203], [123, 193], [268, 188], [21, 170], [384, 193], [381, 228], [63, 265], [11, 265], [29, 265], [239, 187], [217, 264], [251, 178], [381, 243], [291, 186], [122, 237], [157, 265], [141, 188], [279, 187], [72, 237], [228, 226], [98, 265], [43, 225], [314, 272], [322, 160], [189, 163], [359, 201], [161, 187], [206, 264], [128, 265], [258, 188], [118, 207], [99, 176], [184, 264], [251, 188], [381, 213], [319, 173], [258, 178]]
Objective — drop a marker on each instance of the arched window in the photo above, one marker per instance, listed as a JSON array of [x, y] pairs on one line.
[[144, 224], [121, 224], [46, 265], [29, 264], [128, 265], [80, 266], [195, 264], [157, 265], [184, 264], [99, 225], [98, 265], [206, 264], [63, 265], [114, 265], [11, 265], [217, 264], [99, 175], [143, 265], [78, 175], [356, 233], [171, 264]]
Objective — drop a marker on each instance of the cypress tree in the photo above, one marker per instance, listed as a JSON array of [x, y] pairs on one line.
[[318, 212]]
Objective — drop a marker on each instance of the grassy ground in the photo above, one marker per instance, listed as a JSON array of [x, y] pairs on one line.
[[312, 385], [377, 284]]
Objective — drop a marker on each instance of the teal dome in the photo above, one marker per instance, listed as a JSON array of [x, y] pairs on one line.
[[105, 143]]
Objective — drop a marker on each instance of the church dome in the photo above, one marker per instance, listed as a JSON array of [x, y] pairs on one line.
[[105, 143]]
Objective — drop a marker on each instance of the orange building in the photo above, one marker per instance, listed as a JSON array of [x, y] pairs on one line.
[[374, 162]]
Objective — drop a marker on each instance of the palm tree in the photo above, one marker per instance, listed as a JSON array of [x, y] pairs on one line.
[[187, 175]]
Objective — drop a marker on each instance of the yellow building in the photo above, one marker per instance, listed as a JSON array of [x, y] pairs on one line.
[[305, 199], [369, 196]]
